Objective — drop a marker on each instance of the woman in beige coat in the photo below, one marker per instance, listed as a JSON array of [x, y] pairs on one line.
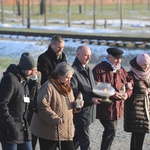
[[55, 104]]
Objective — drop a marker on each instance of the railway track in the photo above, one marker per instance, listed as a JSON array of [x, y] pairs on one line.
[[85, 39]]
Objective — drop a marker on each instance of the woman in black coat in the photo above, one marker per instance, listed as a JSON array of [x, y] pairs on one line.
[[137, 107]]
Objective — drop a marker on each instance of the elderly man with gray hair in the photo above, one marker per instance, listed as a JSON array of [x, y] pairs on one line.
[[83, 82], [109, 70]]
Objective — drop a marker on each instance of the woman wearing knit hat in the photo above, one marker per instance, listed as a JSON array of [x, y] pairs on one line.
[[137, 107], [14, 99]]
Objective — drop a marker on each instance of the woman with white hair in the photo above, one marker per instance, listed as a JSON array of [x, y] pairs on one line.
[[137, 107], [55, 106]]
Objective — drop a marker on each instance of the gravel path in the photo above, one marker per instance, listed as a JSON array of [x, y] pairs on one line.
[[121, 141]]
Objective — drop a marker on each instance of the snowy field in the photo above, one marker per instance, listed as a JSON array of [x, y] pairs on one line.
[[12, 49]]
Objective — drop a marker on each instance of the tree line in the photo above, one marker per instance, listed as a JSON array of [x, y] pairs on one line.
[[44, 4]]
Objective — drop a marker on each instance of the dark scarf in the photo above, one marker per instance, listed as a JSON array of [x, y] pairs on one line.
[[63, 89]]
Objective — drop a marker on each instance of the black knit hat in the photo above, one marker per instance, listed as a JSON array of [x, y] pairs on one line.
[[115, 52], [27, 62]]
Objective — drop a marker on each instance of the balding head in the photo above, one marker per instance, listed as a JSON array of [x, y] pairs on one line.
[[84, 54]]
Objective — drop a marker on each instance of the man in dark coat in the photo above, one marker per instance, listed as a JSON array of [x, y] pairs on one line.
[[48, 60], [83, 81], [14, 100], [34, 85]]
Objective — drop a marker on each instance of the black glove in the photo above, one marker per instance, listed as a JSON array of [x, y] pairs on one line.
[[12, 133]]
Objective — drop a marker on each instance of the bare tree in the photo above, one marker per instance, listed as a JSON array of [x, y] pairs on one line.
[[69, 13], [18, 8], [42, 7], [121, 17], [28, 18], [132, 4], [117, 5], [94, 15], [32, 5], [101, 3], [85, 6], [45, 14], [2, 8], [50, 5], [23, 13], [13, 6]]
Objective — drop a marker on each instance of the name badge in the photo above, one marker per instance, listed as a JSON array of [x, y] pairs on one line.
[[26, 99]]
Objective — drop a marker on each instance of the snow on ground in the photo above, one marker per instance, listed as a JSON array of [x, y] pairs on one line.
[[13, 49], [14, 46], [85, 26]]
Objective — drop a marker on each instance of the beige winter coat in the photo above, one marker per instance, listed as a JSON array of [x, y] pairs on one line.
[[51, 106]]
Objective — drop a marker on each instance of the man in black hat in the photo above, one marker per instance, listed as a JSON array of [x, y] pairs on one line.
[[14, 99], [111, 71]]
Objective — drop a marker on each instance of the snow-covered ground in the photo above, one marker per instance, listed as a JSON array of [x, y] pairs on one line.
[[85, 26], [14, 46], [13, 49]]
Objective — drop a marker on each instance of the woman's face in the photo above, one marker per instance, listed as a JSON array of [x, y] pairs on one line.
[[145, 67], [65, 79]]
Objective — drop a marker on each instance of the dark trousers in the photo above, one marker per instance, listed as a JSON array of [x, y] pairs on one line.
[[108, 134], [137, 140], [51, 145], [81, 137], [34, 141]]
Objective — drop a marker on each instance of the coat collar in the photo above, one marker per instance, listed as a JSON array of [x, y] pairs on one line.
[[79, 65]]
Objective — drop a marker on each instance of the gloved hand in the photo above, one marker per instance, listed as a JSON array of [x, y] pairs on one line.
[[12, 133]]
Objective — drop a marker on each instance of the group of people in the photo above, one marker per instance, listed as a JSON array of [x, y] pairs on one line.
[[38, 100]]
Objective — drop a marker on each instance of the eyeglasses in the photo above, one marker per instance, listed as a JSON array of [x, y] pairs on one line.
[[58, 47]]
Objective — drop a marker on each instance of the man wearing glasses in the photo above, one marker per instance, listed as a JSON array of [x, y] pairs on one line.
[[48, 60]]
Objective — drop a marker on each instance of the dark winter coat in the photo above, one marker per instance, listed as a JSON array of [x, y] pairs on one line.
[[103, 72], [34, 86], [47, 63], [83, 81], [14, 127], [137, 107]]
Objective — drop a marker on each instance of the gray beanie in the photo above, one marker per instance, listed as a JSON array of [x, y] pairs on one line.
[[27, 62]]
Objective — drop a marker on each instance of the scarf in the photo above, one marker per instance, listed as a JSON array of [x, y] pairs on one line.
[[143, 75], [138, 71], [63, 89], [112, 66]]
